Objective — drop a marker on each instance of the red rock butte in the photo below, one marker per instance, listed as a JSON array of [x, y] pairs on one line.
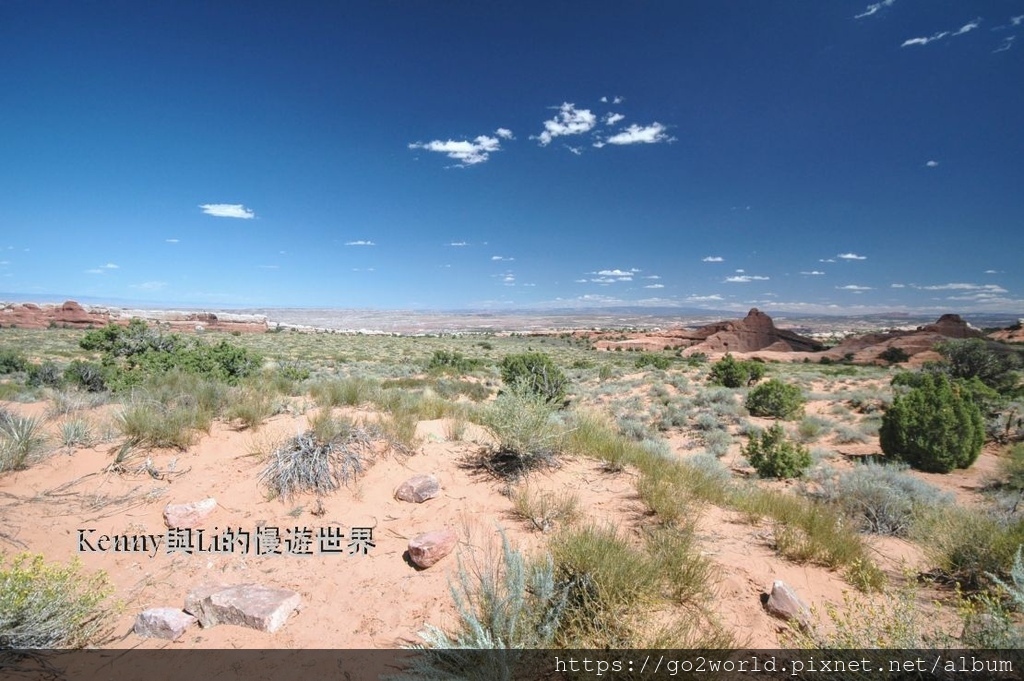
[[74, 316]]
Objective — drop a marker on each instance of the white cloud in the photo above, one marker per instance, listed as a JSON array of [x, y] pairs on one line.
[[1016, 21], [990, 288], [465, 152], [110, 266], [501, 258], [652, 276], [655, 286], [613, 118], [618, 100], [932, 164], [969, 26], [568, 121], [149, 285], [924, 41], [171, 241], [504, 133], [813, 272], [898, 286], [713, 258], [581, 281], [634, 134], [94, 271], [851, 256], [702, 299], [360, 242], [459, 243], [617, 273], [745, 279], [740, 271], [872, 9], [227, 210], [1005, 45], [992, 272], [577, 151], [853, 287], [826, 260]]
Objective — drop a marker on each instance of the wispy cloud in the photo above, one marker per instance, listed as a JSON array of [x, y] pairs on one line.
[[704, 299], [504, 133], [227, 210], [110, 266], [991, 288], [652, 276], [854, 287], [466, 152], [932, 164], [875, 8], [614, 100], [966, 28], [655, 286], [459, 243], [102, 269], [813, 273], [897, 286], [745, 279], [634, 134], [826, 259], [360, 242], [851, 256], [713, 258], [617, 273], [992, 272], [172, 241], [149, 285], [613, 118], [501, 258], [568, 121], [1005, 45]]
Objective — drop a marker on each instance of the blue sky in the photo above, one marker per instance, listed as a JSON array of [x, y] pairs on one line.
[[844, 157]]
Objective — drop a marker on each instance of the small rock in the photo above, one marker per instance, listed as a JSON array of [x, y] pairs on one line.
[[189, 515], [248, 605], [418, 489], [785, 604], [430, 547], [168, 623]]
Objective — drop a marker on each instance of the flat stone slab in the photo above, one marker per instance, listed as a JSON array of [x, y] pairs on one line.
[[189, 515], [418, 489], [247, 605], [167, 623], [428, 548]]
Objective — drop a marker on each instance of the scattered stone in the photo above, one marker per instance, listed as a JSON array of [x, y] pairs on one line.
[[189, 515], [248, 605], [785, 604], [430, 547], [418, 489], [168, 623]]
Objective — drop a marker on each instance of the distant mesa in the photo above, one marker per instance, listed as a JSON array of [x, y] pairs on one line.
[[71, 315], [755, 332]]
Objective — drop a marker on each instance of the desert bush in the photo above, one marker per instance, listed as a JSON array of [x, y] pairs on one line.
[[537, 373], [86, 375], [850, 435], [332, 453], [544, 510], [251, 406], [969, 546], [773, 455], [933, 427], [12, 362], [716, 442], [76, 433], [813, 427], [521, 421], [970, 358], [882, 499], [651, 359], [894, 355], [341, 392], [775, 399], [732, 373], [46, 374], [1011, 468], [451, 361], [145, 422], [22, 441], [51, 606]]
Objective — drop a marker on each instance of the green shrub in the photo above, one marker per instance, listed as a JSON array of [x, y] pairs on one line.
[[731, 373], [776, 399], [453, 362], [86, 375], [12, 362], [993, 365], [969, 546], [933, 427], [45, 605], [521, 422], [774, 456], [537, 373], [650, 359], [894, 355], [46, 374], [21, 441]]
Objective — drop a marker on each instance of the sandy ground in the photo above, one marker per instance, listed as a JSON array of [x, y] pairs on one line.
[[377, 600]]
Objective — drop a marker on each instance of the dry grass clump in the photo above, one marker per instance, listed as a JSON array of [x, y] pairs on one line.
[[22, 441]]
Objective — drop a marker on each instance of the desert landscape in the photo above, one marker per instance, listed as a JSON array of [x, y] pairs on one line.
[[338, 489]]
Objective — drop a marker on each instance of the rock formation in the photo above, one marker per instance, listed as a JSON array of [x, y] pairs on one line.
[[72, 315]]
